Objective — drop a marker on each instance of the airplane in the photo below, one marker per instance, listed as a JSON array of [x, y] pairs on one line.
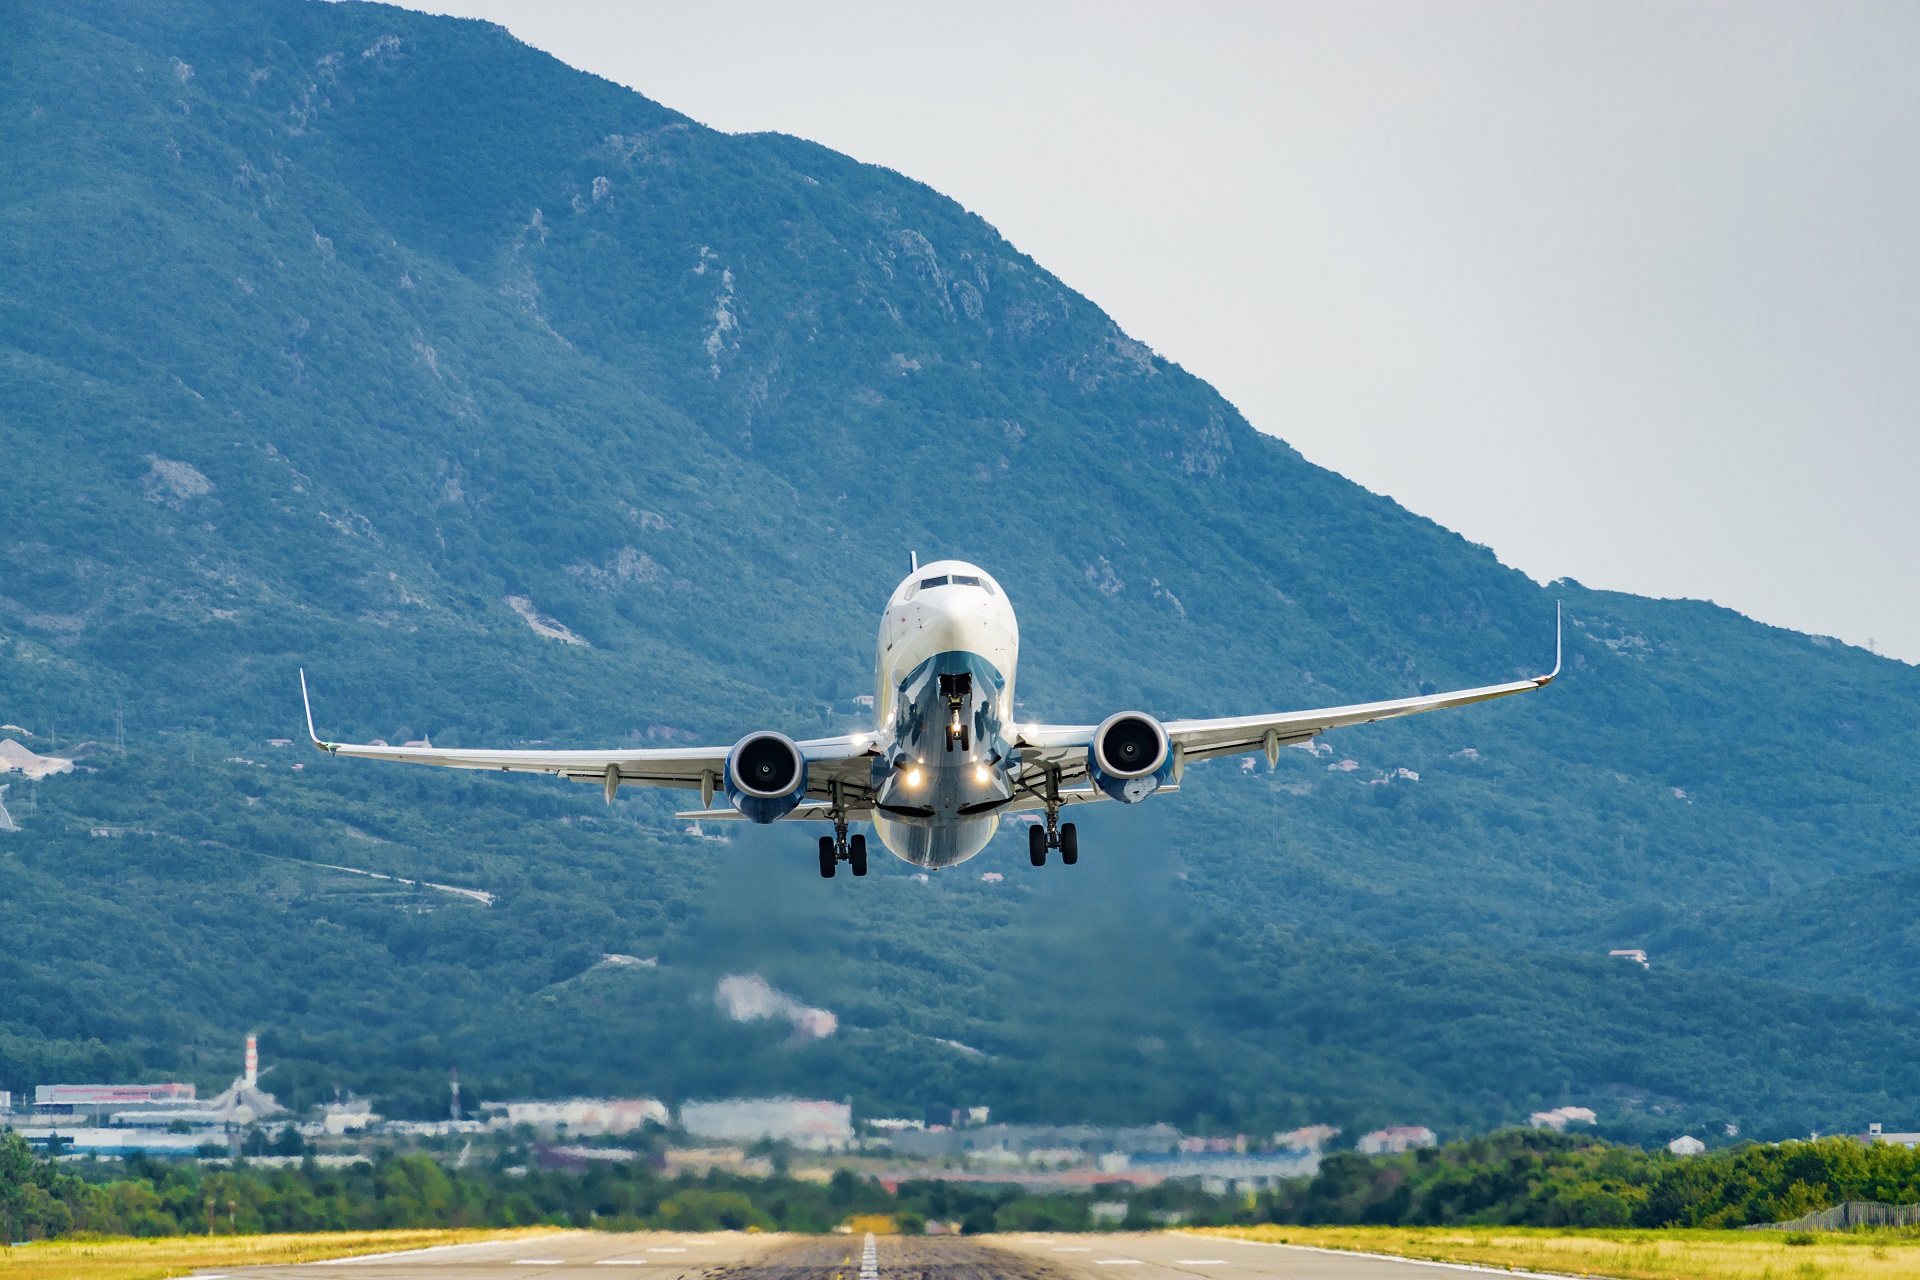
[[945, 760]]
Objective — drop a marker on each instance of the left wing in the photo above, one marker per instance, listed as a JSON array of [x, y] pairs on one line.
[[841, 760], [1062, 749]]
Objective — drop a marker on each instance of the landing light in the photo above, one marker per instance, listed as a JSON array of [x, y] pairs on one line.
[[913, 777], [981, 775]]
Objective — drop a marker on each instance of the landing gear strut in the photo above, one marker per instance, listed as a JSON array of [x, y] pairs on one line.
[[957, 689], [839, 847], [1063, 836]]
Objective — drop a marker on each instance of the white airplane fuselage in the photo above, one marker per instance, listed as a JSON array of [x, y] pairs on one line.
[[943, 709]]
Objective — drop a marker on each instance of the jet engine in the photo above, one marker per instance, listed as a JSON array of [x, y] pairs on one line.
[[1129, 757], [766, 776]]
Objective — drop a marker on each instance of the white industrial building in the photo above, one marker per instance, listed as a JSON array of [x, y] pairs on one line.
[[817, 1126], [580, 1116]]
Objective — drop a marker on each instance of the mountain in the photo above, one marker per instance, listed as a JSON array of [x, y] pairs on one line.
[[515, 407]]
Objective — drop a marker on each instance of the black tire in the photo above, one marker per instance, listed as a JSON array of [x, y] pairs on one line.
[[1069, 843], [1037, 845], [857, 854], [829, 857]]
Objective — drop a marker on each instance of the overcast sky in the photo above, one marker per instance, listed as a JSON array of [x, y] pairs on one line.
[[1628, 292]]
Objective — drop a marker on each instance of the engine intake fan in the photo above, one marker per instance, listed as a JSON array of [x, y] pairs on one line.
[[766, 776], [1129, 757]]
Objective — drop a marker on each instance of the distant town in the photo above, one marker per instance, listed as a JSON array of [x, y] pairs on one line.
[[806, 1138]]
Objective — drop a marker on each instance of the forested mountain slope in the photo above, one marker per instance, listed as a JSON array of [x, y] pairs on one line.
[[345, 337]]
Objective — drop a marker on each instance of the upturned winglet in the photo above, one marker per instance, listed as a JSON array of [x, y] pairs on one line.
[[308, 701], [1547, 679]]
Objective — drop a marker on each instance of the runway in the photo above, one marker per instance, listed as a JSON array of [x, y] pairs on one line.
[[722, 1255]]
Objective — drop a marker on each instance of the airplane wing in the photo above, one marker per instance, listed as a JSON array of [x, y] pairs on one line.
[[829, 760], [1046, 748]]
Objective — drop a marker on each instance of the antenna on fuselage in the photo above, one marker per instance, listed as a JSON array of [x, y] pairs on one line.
[[913, 562]]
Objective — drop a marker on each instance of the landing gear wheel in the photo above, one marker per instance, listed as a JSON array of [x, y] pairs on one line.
[[1037, 845], [857, 854], [829, 856], [1069, 843]]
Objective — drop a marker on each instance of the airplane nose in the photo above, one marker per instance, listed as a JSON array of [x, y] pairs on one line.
[[947, 627]]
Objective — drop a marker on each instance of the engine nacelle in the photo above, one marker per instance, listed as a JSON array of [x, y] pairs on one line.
[[1129, 757], [766, 776]]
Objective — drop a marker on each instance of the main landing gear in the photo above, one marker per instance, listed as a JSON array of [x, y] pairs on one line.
[[1063, 836], [841, 847]]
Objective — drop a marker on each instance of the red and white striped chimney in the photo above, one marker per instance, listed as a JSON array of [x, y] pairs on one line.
[[253, 1061]]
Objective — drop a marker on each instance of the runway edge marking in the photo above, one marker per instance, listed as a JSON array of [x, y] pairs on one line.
[[1392, 1257]]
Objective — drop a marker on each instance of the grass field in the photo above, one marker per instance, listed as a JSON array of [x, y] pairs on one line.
[[117, 1259], [1632, 1255]]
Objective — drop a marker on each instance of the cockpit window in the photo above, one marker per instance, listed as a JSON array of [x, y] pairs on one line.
[[954, 580]]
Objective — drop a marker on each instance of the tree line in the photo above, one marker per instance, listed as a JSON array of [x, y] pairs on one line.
[[1514, 1177]]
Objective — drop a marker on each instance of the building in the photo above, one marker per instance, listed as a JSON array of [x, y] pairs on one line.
[[1310, 1138], [580, 1116], [895, 1125], [1024, 1139], [1219, 1172], [92, 1097], [1875, 1134], [86, 1140], [1395, 1139], [818, 1126], [1634, 954], [347, 1117], [1686, 1145]]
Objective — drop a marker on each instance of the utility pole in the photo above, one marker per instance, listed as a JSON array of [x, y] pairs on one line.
[[120, 727]]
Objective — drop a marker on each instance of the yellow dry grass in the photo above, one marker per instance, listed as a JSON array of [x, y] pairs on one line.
[[1630, 1255], [155, 1259]]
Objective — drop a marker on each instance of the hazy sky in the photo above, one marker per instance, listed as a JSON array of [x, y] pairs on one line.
[[1628, 292]]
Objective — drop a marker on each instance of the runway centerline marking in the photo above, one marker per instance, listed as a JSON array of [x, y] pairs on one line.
[[1117, 1262]]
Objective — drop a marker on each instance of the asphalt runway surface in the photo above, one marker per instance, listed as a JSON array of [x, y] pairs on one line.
[[724, 1255]]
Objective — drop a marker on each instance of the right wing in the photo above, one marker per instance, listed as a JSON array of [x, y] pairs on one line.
[[829, 760]]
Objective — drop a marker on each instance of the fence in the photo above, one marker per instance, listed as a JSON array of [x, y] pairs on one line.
[[1851, 1213]]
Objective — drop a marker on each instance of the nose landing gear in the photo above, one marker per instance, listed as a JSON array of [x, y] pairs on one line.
[[957, 689]]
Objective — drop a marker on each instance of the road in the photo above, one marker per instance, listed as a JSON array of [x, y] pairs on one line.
[[726, 1255]]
